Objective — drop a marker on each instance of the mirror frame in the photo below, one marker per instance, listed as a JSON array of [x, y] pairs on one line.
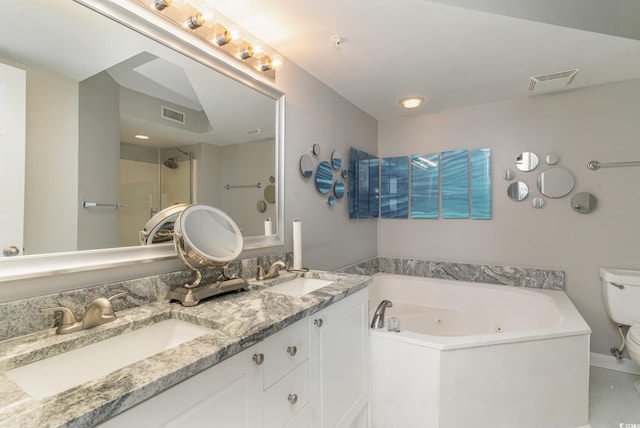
[[143, 21]]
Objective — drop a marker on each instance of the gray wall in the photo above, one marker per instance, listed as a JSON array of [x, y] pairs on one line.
[[316, 114], [98, 161], [593, 123], [50, 210]]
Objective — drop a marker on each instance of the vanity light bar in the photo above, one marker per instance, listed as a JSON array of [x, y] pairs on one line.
[[202, 24]]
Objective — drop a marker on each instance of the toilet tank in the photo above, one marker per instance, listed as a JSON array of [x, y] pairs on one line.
[[621, 294]]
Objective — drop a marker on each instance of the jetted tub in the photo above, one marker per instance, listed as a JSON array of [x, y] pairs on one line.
[[477, 355]]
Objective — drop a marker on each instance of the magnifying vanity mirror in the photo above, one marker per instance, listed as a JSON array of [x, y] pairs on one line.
[[207, 124], [160, 227], [205, 236]]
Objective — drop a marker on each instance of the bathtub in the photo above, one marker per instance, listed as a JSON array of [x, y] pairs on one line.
[[477, 355]]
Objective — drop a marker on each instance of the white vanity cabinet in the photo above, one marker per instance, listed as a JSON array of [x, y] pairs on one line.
[[286, 377], [227, 395], [313, 373], [339, 363]]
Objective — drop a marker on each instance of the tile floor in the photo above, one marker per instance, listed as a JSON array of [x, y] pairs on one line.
[[613, 399]]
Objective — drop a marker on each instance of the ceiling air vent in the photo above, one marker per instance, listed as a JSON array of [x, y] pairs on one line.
[[552, 81], [260, 132], [173, 115]]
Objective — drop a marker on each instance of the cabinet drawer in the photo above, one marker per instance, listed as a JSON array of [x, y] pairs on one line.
[[301, 420], [287, 397], [285, 350]]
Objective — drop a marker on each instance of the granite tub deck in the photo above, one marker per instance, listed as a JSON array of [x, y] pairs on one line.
[[239, 320]]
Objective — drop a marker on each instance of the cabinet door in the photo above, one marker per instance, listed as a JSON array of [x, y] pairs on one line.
[[226, 395], [339, 362]]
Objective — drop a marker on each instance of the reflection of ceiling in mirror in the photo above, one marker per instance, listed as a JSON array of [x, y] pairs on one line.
[[74, 41], [156, 77]]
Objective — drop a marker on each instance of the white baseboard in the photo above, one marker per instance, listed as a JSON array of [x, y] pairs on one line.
[[609, 362]]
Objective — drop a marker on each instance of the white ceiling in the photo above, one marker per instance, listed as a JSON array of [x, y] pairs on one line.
[[444, 50]]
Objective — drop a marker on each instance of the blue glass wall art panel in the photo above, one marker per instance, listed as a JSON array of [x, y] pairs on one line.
[[394, 187], [425, 182], [324, 177], [353, 182], [374, 187], [455, 184], [481, 184], [363, 184]]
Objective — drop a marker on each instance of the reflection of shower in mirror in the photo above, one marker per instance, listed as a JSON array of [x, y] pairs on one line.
[[171, 163]]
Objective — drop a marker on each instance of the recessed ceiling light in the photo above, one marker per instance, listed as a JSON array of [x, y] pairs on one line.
[[411, 102], [141, 137]]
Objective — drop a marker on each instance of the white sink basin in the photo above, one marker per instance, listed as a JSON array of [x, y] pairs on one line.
[[298, 287], [61, 372]]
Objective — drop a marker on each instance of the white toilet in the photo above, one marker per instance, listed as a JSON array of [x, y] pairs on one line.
[[621, 293]]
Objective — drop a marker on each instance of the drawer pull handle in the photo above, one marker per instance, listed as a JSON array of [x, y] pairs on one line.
[[318, 322], [292, 350], [258, 358], [293, 398]]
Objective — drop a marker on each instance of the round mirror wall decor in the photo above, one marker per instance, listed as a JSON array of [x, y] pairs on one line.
[[331, 200], [306, 166], [556, 182], [551, 159], [270, 194], [316, 150], [261, 206], [336, 160], [508, 175], [324, 177], [527, 161], [345, 173], [518, 191], [338, 189], [584, 202], [537, 202]]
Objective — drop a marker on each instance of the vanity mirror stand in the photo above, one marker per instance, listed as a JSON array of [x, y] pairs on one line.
[[203, 236]]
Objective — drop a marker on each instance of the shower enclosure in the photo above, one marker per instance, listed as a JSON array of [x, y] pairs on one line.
[[151, 180]]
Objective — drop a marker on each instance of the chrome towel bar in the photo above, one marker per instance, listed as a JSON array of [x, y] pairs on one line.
[[242, 186], [117, 205], [595, 165]]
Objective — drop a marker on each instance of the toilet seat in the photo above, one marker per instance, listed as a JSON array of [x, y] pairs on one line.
[[633, 345]]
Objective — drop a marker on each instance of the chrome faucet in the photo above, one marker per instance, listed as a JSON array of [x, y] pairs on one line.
[[98, 312], [378, 316], [273, 272]]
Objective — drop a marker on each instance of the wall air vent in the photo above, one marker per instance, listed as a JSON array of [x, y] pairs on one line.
[[552, 81], [173, 115]]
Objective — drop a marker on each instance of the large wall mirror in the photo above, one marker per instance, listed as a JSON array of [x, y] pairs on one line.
[[213, 132]]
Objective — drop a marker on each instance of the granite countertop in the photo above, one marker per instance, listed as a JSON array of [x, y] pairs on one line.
[[238, 320]]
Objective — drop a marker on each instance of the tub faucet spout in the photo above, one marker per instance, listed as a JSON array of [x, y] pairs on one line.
[[378, 316]]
